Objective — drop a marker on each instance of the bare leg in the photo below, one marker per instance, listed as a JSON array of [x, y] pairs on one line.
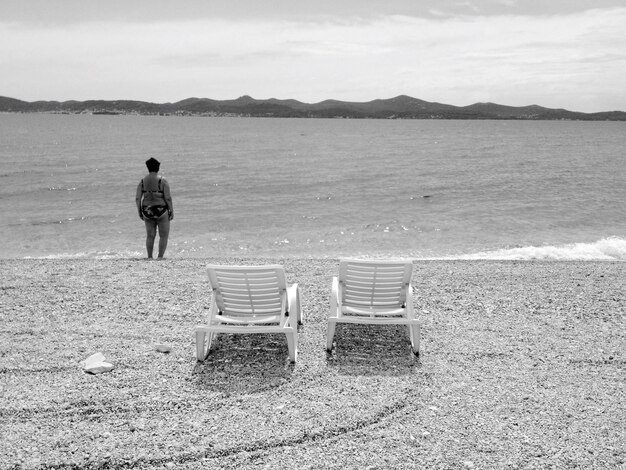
[[164, 233], [151, 227]]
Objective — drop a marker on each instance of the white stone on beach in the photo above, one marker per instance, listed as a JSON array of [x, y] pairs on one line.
[[96, 364], [93, 359], [99, 368], [164, 348]]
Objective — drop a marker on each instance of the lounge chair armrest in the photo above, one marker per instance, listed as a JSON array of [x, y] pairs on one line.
[[409, 303], [293, 302], [334, 296], [213, 306]]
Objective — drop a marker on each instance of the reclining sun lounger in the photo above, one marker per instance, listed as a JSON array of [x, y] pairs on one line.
[[251, 299], [373, 292]]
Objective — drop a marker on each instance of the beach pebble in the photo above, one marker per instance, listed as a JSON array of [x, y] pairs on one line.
[[96, 364], [93, 359], [164, 348], [99, 368]]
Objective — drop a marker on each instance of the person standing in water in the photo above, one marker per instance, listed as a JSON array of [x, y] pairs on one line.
[[155, 207]]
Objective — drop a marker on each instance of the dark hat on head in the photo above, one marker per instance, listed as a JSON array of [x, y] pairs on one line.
[[153, 164]]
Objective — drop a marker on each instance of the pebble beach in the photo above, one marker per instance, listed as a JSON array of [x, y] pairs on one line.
[[522, 365]]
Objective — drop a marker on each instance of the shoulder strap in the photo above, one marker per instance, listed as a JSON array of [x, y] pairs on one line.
[[159, 190]]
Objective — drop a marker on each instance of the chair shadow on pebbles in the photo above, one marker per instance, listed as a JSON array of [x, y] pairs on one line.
[[244, 364], [383, 350]]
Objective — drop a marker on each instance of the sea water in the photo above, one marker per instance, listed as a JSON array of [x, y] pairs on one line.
[[247, 187]]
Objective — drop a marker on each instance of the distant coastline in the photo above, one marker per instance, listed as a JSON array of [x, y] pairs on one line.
[[400, 107]]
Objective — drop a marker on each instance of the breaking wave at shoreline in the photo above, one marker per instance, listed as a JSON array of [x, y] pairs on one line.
[[606, 249]]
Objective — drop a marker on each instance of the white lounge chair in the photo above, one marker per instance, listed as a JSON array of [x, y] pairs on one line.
[[250, 299], [373, 292]]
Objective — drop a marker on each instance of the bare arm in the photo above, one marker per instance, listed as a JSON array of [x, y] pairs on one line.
[[138, 201], [167, 195]]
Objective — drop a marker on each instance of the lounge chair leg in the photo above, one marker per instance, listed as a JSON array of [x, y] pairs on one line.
[[211, 336], [200, 349], [203, 344], [292, 344], [330, 335], [299, 307], [414, 331]]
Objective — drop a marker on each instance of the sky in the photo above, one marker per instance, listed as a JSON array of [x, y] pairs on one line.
[[555, 53]]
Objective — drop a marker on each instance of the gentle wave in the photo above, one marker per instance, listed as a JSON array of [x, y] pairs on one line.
[[67, 220], [92, 255], [606, 249]]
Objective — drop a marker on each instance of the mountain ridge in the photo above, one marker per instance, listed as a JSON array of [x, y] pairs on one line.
[[398, 107]]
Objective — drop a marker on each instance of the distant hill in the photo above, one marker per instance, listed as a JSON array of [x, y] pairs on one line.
[[400, 107]]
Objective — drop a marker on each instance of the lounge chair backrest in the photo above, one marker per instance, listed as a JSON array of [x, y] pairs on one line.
[[249, 291], [374, 283]]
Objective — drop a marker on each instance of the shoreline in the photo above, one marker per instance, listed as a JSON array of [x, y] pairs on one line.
[[610, 248], [269, 258], [522, 366]]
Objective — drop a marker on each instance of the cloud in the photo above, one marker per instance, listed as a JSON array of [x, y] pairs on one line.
[[68, 12]]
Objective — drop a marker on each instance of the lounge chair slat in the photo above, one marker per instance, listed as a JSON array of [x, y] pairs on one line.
[[374, 300], [251, 294], [251, 306], [374, 272], [384, 289]]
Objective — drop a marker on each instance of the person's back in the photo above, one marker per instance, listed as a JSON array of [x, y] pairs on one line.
[[153, 190]]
